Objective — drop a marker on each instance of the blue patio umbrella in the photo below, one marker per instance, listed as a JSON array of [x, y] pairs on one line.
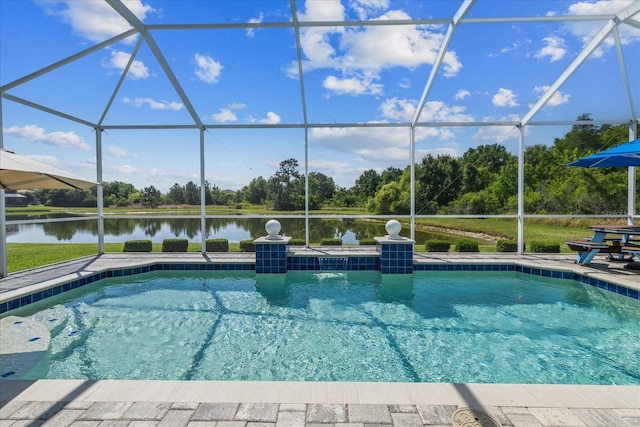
[[623, 155]]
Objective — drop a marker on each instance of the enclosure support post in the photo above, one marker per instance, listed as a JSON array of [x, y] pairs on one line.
[[99, 190], [3, 221], [3, 231], [203, 197], [521, 190], [306, 186], [631, 196], [413, 183]]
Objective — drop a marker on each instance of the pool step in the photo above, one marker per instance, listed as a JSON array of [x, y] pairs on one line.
[[24, 342]]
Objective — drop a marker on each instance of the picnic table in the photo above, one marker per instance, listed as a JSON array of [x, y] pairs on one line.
[[614, 240]]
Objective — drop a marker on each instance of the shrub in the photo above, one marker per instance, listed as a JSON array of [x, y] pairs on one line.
[[437, 245], [297, 242], [367, 241], [217, 245], [137, 246], [175, 245], [330, 242], [507, 246], [545, 247], [467, 245], [247, 246]]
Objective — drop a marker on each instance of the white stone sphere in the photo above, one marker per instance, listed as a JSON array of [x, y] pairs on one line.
[[273, 227], [393, 227]]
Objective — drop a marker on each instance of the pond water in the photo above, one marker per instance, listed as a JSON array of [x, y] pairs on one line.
[[235, 230]]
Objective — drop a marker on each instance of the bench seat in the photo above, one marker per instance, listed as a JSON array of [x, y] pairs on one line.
[[583, 244], [633, 249]]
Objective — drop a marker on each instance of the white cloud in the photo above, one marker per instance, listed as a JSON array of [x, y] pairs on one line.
[[388, 146], [441, 133], [366, 8], [381, 47], [558, 98], [586, 30], [34, 133], [554, 49], [352, 85], [368, 144], [328, 10], [153, 104], [330, 167], [514, 46], [505, 98], [496, 133], [251, 31], [399, 109], [461, 94], [271, 119], [405, 83], [224, 115], [433, 111], [237, 106], [95, 20], [119, 61], [366, 51], [438, 111], [227, 114], [207, 69], [116, 151], [499, 133]]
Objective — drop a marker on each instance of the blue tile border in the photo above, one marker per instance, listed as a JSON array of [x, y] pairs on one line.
[[312, 263]]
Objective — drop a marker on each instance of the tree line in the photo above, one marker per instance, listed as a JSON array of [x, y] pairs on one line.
[[483, 181]]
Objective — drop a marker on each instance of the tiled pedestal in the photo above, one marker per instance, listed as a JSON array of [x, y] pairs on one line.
[[271, 255], [396, 254]]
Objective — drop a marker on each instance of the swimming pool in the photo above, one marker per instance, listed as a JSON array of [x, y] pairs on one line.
[[467, 327]]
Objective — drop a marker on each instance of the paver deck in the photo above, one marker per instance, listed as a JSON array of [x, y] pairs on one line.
[[261, 404]]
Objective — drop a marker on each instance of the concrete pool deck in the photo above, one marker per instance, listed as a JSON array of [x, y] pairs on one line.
[[260, 404]]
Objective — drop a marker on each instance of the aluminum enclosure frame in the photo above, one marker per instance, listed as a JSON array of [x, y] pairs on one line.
[[145, 32]]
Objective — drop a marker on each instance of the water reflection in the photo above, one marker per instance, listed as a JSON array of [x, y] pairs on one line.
[[234, 229]]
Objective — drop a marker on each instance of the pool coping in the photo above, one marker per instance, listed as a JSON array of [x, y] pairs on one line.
[[473, 395]]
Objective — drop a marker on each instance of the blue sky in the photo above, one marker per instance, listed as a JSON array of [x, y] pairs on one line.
[[241, 76]]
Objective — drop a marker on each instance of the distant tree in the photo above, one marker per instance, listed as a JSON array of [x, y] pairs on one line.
[[176, 194], [438, 182], [118, 193], [581, 139], [210, 193], [280, 186], [67, 198], [150, 197], [481, 166], [479, 203], [343, 198], [393, 197], [321, 186], [390, 174], [191, 193], [221, 197], [366, 185], [256, 191]]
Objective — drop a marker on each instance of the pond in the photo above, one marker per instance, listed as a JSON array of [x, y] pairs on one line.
[[233, 229]]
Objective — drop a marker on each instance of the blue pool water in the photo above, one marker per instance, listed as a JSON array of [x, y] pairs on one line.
[[462, 327]]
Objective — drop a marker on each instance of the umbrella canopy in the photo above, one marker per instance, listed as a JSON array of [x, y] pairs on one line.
[[21, 173], [623, 155]]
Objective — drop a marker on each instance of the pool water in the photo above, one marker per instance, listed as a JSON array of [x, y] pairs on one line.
[[460, 327]]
